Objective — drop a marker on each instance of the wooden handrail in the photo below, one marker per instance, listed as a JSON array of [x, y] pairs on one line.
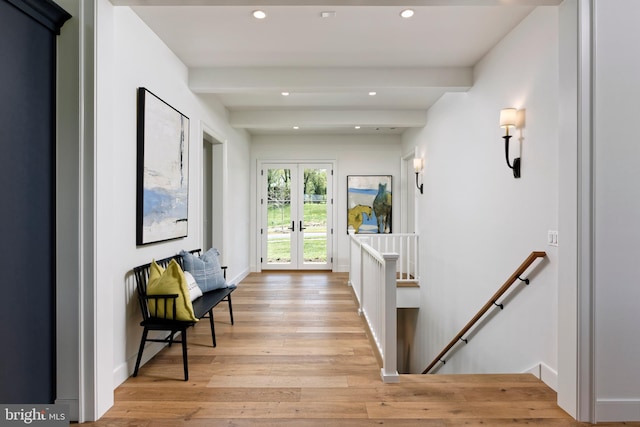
[[510, 281]]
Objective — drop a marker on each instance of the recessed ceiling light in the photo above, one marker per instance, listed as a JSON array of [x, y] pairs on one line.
[[357, 127], [285, 93], [372, 93], [259, 14], [328, 14], [407, 13], [296, 127]]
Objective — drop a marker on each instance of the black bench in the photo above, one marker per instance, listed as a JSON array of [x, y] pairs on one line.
[[202, 307]]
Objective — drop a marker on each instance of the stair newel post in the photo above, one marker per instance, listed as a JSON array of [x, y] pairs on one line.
[[389, 371]]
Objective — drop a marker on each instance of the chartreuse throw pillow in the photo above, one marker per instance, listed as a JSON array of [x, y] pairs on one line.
[[205, 269], [170, 281]]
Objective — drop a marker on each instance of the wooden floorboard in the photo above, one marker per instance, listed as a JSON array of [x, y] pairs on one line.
[[298, 355]]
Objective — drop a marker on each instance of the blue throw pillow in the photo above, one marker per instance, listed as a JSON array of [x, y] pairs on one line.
[[205, 269]]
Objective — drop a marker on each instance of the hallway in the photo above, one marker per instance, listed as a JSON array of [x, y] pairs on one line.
[[298, 355]]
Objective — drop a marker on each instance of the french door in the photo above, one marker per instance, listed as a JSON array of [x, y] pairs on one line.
[[296, 216]]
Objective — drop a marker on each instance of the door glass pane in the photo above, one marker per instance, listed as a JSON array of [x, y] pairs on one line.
[[314, 216], [279, 222]]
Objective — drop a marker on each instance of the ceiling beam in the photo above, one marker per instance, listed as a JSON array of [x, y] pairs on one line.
[[266, 3], [269, 79], [286, 119]]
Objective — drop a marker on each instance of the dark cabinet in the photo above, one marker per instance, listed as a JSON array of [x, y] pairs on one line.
[[28, 31]]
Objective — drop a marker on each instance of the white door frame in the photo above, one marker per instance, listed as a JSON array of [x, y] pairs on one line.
[[408, 202], [260, 196], [218, 186]]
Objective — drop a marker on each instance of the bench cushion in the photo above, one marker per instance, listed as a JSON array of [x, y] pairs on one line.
[[170, 281], [205, 269]]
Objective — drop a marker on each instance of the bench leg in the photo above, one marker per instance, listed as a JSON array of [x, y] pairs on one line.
[[230, 308], [184, 354], [139, 358], [213, 329]]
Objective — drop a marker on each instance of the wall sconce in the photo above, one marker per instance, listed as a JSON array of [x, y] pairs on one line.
[[417, 166], [508, 119]]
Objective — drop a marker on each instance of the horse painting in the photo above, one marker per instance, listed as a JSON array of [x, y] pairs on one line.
[[382, 208], [369, 204], [355, 216]]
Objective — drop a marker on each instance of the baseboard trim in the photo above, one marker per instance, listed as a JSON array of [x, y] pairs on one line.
[[341, 268], [240, 277], [547, 375], [617, 410], [123, 371]]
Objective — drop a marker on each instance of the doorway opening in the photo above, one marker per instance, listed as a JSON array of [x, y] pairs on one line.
[[409, 194], [213, 191]]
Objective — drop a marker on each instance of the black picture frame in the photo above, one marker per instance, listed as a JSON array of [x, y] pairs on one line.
[[162, 170]]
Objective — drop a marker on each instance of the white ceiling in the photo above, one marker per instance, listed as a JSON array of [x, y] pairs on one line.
[[329, 65]]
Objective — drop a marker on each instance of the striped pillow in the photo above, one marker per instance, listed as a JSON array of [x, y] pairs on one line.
[[205, 269]]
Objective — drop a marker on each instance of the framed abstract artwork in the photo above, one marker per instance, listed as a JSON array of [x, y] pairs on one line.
[[162, 170], [369, 204]]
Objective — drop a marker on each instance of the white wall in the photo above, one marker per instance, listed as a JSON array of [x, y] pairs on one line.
[[616, 210], [130, 55], [355, 155], [568, 208], [492, 221], [477, 223]]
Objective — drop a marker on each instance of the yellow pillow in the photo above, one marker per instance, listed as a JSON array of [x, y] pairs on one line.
[[170, 281]]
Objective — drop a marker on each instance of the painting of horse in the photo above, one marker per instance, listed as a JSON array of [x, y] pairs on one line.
[[382, 209], [357, 216], [374, 193]]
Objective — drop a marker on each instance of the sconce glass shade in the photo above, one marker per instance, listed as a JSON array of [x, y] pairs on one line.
[[417, 165], [508, 117]]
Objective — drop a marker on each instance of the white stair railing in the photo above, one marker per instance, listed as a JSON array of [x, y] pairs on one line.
[[405, 245], [355, 267], [373, 277]]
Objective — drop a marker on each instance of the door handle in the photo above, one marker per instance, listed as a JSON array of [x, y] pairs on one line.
[[301, 227], [293, 226]]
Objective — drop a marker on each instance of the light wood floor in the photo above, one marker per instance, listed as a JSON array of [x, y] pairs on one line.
[[298, 355]]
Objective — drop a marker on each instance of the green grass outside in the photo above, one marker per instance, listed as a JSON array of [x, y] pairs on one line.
[[315, 250], [315, 217], [279, 221]]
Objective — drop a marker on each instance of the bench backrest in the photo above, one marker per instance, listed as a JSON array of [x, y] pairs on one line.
[[141, 274]]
